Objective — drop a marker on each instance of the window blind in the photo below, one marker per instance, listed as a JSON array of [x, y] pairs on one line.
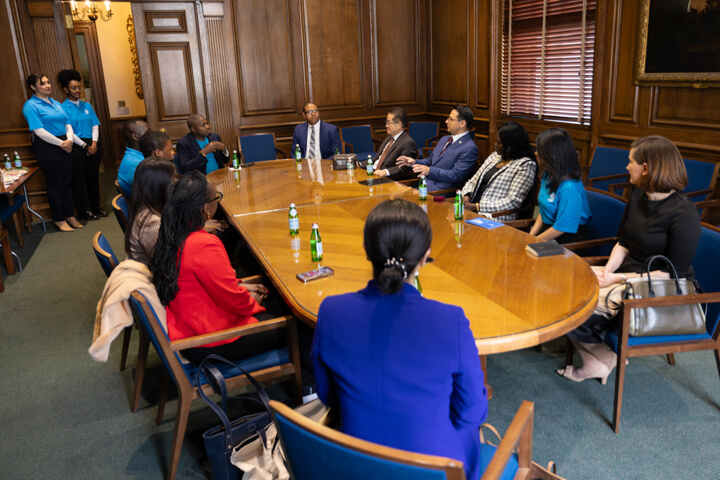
[[547, 59]]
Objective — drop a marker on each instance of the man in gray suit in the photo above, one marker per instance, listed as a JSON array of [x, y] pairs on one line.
[[397, 144]]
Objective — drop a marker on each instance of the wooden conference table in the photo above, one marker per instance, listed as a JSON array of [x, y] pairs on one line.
[[513, 299]]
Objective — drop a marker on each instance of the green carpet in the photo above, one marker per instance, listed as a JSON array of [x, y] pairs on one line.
[[66, 416]]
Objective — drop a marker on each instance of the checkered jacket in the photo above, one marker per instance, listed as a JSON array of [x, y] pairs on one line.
[[507, 188]]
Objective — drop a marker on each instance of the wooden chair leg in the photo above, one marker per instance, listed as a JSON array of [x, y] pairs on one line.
[[181, 419], [162, 396], [569, 352], [18, 229], [671, 359], [483, 366], [125, 346], [294, 350], [619, 385], [140, 370]]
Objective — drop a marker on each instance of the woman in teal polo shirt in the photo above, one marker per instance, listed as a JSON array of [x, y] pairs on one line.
[[51, 145], [564, 209], [86, 151]]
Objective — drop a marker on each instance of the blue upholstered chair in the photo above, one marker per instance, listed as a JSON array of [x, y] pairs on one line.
[[315, 451], [122, 211], [259, 147], [702, 178], [104, 253], [607, 211], [423, 133], [707, 266], [359, 140], [7, 211], [607, 166], [283, 362]]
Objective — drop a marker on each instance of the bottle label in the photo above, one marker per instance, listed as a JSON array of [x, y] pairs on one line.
[[8, 165], [18, 163], [294, 223], [318, 249], [369, 168], [423, 192]]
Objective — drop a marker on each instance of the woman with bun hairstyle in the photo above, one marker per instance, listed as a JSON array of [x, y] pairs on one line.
[[52, 146], [403, 370]]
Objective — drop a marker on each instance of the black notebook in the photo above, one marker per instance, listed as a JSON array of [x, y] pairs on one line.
[[544, 249]]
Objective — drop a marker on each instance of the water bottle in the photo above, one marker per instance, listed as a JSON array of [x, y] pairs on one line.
[[293, 220], [18, 162], [369, 166]]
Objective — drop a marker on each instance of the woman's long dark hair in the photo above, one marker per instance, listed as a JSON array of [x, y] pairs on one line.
[[558, 157], [515, 141], [181, 216], [396, 236], [149, 191]]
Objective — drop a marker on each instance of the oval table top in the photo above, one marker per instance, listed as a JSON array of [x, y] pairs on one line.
[[513, 299]]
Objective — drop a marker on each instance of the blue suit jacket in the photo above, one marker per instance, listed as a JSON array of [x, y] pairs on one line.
[[189, 157], [404, 372], [453, 168], [329, 139]]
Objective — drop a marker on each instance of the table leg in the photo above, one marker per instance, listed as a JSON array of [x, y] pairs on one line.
[[483, 365], [27, 202]]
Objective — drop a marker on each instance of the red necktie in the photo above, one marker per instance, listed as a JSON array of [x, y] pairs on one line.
[[446, 146], [385, 152]]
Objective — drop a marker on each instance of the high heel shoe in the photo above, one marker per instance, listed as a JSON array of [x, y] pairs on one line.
[[601, 373], [74, 222], [64, 227]]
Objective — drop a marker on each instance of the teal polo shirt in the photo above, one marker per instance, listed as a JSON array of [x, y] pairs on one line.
[[81, 117], [41, 114]]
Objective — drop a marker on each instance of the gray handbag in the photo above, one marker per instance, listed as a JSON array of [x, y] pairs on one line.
[[341, 160], [666, 320]]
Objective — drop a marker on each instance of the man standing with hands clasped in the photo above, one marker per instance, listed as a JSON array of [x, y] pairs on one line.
[[200, 149], [453, 159]]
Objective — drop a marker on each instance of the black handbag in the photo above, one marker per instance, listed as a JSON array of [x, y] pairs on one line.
[[665, 320], [220, 441]]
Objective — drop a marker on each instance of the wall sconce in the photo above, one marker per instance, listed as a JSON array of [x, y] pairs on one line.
[[91, 10]]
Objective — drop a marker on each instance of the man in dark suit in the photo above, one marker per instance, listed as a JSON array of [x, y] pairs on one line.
[[454, 158], [200, 150], [316, 139], [397, 144]]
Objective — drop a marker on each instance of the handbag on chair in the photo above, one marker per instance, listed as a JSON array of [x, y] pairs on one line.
[[664, 320]]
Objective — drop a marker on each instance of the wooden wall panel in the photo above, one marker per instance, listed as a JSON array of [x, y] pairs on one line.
[[483, 49], [623, 95], [686, 108], [449, 51], [265, 56], [221, 86], [14, 90], [171, 69], [333, 55], [396, 52]]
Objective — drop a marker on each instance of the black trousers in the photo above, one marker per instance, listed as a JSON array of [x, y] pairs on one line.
[[58, 168], [86, 178]]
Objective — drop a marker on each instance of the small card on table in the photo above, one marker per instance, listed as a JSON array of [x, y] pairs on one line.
[[484, 223]]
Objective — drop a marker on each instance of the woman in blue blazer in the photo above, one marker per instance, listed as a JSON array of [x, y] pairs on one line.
[[402, 370]]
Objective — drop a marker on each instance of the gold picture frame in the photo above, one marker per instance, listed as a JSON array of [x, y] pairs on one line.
[[664, 79]]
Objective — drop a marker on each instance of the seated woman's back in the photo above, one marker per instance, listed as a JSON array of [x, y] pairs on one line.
[[403, 370]]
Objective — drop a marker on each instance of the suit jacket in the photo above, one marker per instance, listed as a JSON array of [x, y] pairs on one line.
[[404, 372], [209, 297], [404, 146], [453, 167], [329, 139], [189, 157]]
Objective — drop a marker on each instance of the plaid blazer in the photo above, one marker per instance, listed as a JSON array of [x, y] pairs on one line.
[[507, 188]]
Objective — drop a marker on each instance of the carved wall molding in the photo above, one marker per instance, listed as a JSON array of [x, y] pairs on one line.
[[134, 55]]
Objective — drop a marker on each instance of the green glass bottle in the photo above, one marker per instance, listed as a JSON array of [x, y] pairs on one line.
[[235, 160], [369, 168], [337, 151], [416, 282], [459, 206], [8, 163], [18, 162], [316, 248], [297, 153], [422, 188], [293, 220]]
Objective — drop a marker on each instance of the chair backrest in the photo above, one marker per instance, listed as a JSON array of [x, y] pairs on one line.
[[7, 210], [360, 137], [421, 132], [607, 161], [314, 451], [258, 147], [701, 176], [707, 270], [607, 211], [122, 211], [104, 253]]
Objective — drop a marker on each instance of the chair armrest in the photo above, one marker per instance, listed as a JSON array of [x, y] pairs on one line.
[[697, 193], [428, 142], [519, 434], [672, 300], [282, 154], [252, 280], [206, 338], [376, 141], [617, 186], [427, 151], [615, 176], [584, 171], [500, 213], [715, 202], [590, 243], [348, 145], [520, 223], [596, 261], [411, 182]]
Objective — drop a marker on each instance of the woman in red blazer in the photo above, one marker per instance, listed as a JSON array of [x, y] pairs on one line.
[[195, 281]]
